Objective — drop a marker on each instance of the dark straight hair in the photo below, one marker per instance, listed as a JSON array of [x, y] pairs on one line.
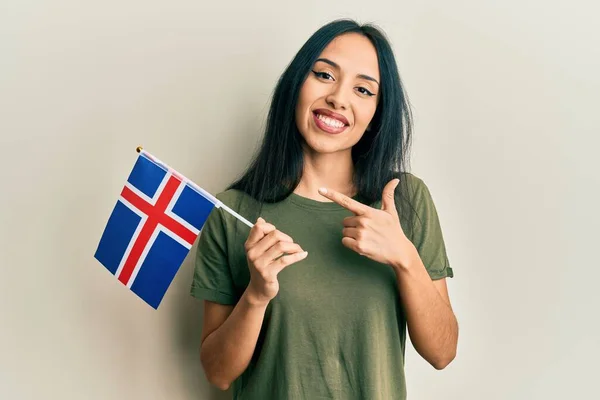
[[379, 156]]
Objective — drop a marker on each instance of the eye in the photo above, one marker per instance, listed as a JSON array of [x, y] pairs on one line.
[[323, 75], [364, 91]]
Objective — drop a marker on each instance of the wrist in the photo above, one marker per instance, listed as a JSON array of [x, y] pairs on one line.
[[254, 300], [408, 260]]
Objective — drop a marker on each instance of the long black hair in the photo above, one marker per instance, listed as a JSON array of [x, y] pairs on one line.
[[379, 156]]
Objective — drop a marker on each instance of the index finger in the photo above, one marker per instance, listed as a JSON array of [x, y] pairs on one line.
[[344, 201], [259, 231]]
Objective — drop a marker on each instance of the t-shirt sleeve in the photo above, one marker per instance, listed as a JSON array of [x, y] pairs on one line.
[[427, 234], [212, 274]]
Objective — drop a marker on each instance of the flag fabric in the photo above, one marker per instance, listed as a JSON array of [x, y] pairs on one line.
[[152, 228]]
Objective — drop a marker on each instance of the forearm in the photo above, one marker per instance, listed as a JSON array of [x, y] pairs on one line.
[[227, 351], [432, 325]]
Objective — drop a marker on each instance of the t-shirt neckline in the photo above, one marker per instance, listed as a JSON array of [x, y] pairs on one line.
[[306, 202]]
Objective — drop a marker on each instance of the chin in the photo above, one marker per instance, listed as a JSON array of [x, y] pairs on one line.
[[324, 145]]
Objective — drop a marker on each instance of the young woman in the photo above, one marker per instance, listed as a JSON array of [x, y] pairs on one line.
[[347, 251]]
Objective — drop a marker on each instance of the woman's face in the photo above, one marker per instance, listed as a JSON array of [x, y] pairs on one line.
[[339, 97]]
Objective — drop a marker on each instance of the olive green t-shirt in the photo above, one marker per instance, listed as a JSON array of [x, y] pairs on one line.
[[336, 329]]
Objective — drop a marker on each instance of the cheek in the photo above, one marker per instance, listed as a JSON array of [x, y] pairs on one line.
[[365, 114]]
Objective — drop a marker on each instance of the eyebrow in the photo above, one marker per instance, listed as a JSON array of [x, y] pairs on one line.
[[334, 65]]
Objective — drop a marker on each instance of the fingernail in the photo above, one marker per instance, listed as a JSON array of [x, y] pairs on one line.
[[323, 190], [305, 254]]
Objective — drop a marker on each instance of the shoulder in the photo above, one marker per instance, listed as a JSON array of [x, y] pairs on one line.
[[413, 199], [411, 187], [232, 196], [413, 180], [240, 202]]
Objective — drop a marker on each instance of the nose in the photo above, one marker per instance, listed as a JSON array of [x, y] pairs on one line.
[[337, 98]]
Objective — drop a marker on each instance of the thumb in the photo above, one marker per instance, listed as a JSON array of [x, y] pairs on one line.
[[387, 199]]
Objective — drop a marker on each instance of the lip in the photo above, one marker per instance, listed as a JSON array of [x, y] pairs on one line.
[[331, 114], [326, 128]]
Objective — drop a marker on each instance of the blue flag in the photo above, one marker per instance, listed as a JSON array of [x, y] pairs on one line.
[[153, 226]]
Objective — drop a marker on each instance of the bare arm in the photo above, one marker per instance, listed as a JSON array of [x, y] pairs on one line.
[[229, 337], [432, 326], [229, 334], [378, 234]]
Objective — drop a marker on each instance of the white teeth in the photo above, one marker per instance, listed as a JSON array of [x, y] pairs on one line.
[[334, 123]]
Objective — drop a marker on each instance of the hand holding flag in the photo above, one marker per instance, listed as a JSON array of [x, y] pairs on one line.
[[154, 224]]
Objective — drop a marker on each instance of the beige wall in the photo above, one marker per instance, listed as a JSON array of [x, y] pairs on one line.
[[505, 97]]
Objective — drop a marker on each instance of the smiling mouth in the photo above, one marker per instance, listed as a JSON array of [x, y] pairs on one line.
[[329, 124]]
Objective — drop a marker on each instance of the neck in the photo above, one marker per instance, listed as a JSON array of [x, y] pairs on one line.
[[333, 171]]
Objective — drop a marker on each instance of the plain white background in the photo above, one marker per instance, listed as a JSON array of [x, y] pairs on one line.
[[506, 137]]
